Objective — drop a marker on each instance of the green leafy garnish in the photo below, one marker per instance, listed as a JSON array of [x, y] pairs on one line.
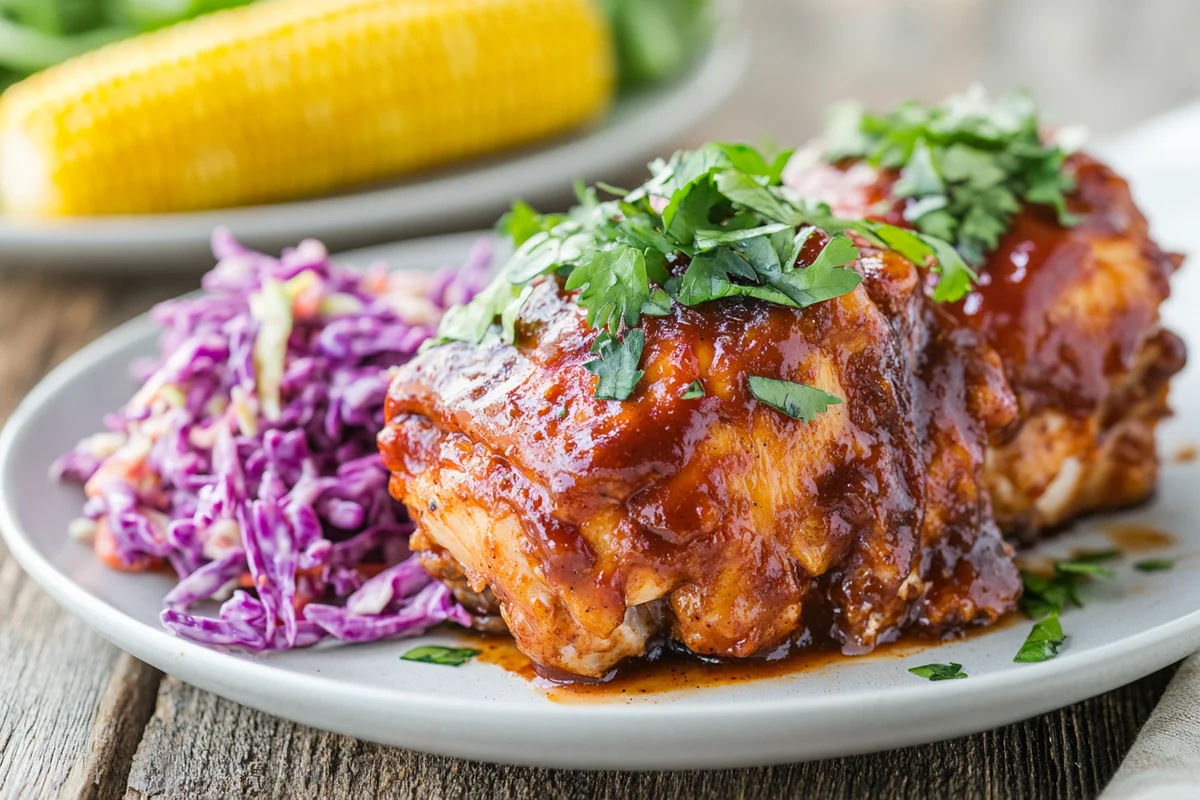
[[613, 285], [1154, 565], [1043, 641], [695, 389], [1044, 596], [797, 400], [617, 366], [1084, 568], [655, 39], [965, 167], [709, 224], [1051, 595], [939, 672], [445, 656]]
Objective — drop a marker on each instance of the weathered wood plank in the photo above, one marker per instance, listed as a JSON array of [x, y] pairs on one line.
[[199, 746], [72, 707]]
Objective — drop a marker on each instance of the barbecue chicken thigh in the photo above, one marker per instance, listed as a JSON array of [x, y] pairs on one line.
[[603, 528], [1073, 314]]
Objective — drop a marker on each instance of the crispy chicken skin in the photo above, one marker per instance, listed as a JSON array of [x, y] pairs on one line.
[[1073, 314], [604, 527]]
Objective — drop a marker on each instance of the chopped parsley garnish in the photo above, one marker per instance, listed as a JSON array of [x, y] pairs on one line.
[[1043, 641], [965, 166], [796, 400], [617, 366], [695, 389], [1154, 565], [1051, 595], [939, 672], [709, 224], [445, 656], [1045, 598]]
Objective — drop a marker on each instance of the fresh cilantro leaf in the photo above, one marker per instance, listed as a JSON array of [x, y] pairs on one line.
[[543, 252], [1051, 595], [976, 168], [1154, 565], [522, 222], [709, 276], [825, 278], [939, 672], [1044, 596], [615, 191], [691, 209], [750, 160], [1043, 641], [695, 389], [1083, 568], [710, 239], [964, 167], [659, 304], [844, 135], [917, 209], [796, 400], [444, 656], [471, 322], [744, 190], [614, 286], [617, 366], [920, 177], [1097, 556], [956, 276]]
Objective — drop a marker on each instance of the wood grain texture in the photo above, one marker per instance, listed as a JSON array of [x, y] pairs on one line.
[[200, 746], [72, 706], [74, 711]]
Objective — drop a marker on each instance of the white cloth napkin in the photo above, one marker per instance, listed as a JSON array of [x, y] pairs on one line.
[[1164, 763], [1162, 162]]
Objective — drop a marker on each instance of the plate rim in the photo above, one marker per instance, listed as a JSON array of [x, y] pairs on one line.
[[983, 702]]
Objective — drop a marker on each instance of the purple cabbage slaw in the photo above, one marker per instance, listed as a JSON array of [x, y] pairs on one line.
[[248, 457]]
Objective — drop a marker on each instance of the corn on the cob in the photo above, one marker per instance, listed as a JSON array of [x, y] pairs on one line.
[[287, 98]]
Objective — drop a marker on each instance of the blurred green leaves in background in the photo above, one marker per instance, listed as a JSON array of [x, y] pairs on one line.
[[655, 39], [35, 34]]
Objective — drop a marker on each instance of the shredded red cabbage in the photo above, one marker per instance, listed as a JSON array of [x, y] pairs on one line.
[[247, 460]]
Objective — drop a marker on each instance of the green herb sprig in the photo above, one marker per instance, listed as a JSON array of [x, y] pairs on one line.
[[443, 656], [965, 166], [709, 224], [939, 672], [1045, 598], [1043, 641]]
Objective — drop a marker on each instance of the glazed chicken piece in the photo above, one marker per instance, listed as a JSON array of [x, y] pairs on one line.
[[602, 528], [1073, 313]]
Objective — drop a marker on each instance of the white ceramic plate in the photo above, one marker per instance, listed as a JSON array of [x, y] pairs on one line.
[[639, 127], [1130, 627]]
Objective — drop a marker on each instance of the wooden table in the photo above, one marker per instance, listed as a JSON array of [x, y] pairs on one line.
[[80, 719]]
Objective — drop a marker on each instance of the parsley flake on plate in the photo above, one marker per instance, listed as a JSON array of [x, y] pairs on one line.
[[1051, 595], [1154, 565], [1043, 641], [436, 654], [965, 166], [939, 672]]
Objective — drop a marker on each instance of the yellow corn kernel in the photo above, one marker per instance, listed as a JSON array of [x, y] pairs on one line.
[[288, 98]]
